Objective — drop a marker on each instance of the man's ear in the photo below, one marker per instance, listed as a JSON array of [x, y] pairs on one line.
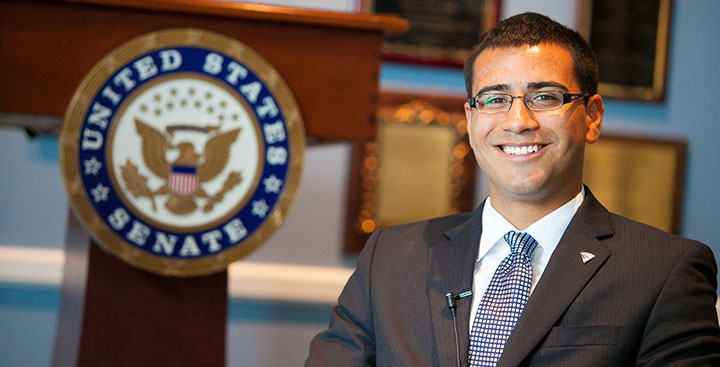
[[593, 118], [468, 114]]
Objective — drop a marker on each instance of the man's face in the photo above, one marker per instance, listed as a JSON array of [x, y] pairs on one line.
[[552, 175]]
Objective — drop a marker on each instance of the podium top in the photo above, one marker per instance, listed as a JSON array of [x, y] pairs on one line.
[[330, 60], [230, 9]]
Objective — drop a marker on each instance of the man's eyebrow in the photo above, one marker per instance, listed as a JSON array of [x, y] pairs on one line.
[[540, 85], [530, 86], [496, 87]]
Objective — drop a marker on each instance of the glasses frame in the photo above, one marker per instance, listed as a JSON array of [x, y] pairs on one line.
[[566, 98]]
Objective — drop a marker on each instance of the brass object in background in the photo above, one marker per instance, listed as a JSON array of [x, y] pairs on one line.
[[420, 166], [642, 179]]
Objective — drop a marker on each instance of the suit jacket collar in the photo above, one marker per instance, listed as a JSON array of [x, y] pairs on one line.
[[450, 269], [563, 279]]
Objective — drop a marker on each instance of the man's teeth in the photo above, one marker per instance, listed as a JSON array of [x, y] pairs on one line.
[[515, 150]]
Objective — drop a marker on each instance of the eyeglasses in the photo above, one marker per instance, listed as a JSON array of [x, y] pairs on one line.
[[495, 102]]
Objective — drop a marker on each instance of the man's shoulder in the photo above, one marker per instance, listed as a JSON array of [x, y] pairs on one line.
[[624, 229], [427, 231], [440, 224], [633, 243], [447, 221], [630, 227], [645, 238]]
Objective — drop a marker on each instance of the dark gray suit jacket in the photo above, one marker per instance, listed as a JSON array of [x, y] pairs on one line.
[[646, 299]]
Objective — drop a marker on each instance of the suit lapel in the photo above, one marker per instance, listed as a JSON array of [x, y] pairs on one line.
[[450, 269], [563, 279]]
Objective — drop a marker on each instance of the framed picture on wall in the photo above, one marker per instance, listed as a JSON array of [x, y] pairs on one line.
[[420, 166], [640, 178], [630, 40], [442, 32]]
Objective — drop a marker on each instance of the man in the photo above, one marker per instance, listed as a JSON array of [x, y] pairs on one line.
[[557, 280]]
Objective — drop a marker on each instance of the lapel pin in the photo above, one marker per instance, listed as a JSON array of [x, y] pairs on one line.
[[586, 256]]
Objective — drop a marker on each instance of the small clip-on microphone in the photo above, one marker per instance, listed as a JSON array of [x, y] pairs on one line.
[[451, 299]]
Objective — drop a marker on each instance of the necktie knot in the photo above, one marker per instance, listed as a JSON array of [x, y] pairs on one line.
[[521, 242]]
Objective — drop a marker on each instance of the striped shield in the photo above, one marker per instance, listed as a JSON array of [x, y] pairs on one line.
[[183, 180]]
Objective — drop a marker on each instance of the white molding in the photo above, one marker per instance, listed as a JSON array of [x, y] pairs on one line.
[[285, 282], [272, 282], [31, 265]]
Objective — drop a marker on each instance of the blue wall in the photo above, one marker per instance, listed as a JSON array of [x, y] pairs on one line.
[[28, 316], [691, 112]]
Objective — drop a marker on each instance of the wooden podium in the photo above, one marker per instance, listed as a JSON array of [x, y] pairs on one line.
[[112, 314]]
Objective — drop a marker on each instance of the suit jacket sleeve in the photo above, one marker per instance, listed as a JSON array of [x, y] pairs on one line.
[[350, 339], [682, 327]]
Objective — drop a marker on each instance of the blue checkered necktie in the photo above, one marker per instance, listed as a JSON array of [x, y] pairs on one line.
[[503, 301]]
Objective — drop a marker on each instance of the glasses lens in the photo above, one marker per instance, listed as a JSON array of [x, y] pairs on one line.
[[493, 102], [544, 100]]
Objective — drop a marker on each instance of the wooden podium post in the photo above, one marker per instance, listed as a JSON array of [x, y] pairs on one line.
[[112, 314]]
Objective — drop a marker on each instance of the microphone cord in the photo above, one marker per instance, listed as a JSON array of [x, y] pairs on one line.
[[451, 299], [457, 343]]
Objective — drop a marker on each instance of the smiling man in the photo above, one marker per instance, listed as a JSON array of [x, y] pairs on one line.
[[541, 273]]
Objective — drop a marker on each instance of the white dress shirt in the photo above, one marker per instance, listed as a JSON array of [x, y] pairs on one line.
[[547, 231]]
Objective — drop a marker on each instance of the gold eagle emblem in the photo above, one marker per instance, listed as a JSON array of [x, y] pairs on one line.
[[182, 178]]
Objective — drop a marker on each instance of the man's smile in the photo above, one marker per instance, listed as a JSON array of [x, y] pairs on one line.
[[521, 149]]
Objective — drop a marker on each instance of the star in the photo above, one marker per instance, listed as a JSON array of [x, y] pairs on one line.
[[191, 91], [272, 184], [157, 97], [173, 91], [260, 208], [100, 193], [92, 166]]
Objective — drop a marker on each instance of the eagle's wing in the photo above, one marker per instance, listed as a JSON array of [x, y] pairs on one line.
[[217, 153], [154, 146]]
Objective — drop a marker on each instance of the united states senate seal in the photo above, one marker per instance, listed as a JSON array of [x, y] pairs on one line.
[[182, 151]]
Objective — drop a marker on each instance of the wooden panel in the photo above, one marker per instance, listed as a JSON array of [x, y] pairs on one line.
[[47, 47], [135, 318], [112, 314]]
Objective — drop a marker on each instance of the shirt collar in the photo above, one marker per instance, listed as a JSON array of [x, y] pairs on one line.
[[547, 231]]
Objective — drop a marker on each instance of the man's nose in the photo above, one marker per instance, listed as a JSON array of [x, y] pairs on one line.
[[519, 118]]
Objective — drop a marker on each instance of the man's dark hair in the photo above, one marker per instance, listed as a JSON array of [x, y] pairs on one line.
[[531, 29]]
